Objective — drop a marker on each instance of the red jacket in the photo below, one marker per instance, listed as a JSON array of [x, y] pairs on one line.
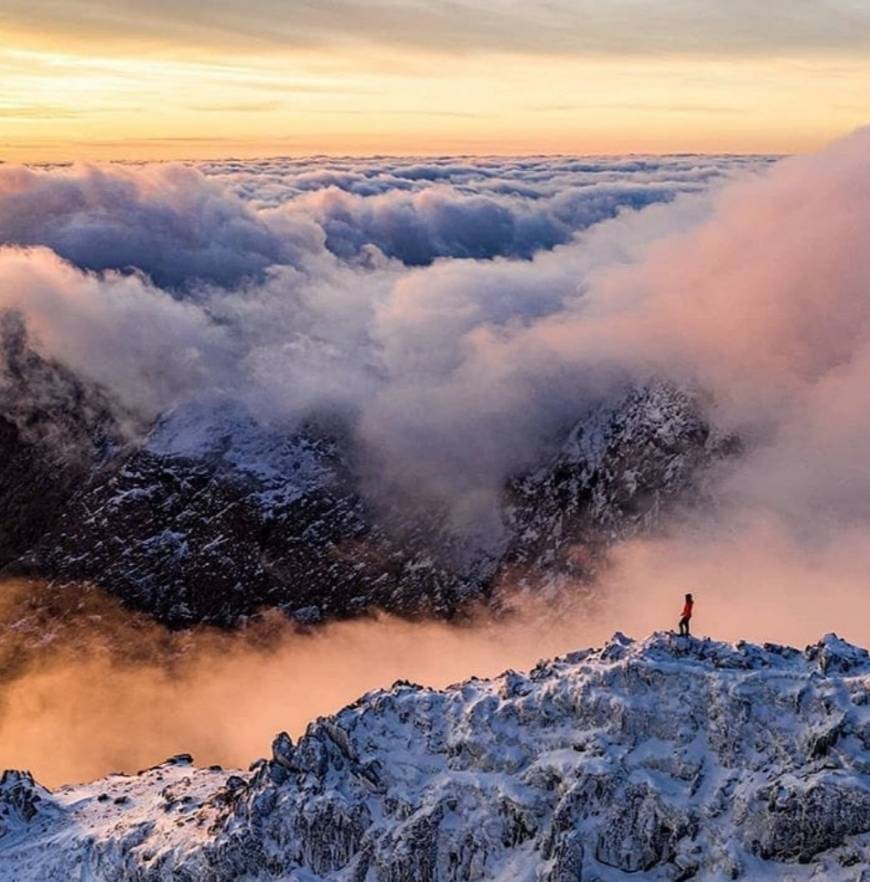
[[687, 609]]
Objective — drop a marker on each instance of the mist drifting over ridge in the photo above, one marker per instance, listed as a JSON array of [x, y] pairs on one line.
[[460, 313], [372, 289], [298, 289]]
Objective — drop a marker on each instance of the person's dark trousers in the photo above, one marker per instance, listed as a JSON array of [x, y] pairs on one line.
[[684, 626]]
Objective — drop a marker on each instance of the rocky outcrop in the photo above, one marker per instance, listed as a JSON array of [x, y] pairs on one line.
[[54, 431], [22, 803], [213, 514], [670, 759], [621, 470]]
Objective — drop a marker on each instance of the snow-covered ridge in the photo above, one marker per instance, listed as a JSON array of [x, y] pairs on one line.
[[667, 759], [283, 466]]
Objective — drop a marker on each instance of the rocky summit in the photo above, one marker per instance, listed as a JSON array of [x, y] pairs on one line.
[[667, 759], [208, 514]]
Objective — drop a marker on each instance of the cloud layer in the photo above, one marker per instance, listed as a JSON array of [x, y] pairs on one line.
[[222, 222], [374, 288], [166, 221], [460, 314]]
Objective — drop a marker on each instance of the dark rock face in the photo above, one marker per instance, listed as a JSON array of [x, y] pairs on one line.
[[527, 777], [54, 430], [188, 539], [21, 801], [253, 518], [797, 820], [213, 515], [621, 469]]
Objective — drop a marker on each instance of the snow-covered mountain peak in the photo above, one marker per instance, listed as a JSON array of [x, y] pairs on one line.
[[668, 758], [830, 654]]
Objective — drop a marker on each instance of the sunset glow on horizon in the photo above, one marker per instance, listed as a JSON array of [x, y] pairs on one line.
[[100, 81]]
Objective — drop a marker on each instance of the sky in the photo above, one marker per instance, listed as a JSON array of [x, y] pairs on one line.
[[118, 79]]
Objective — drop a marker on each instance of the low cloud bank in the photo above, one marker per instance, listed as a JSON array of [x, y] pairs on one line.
[[108, 690], [311, 312], [219, 223], [164, 220]]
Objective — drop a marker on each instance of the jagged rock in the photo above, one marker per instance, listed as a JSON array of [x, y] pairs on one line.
[[55, 430], [836, 656], [640, 831], [620, 469], [799, 817], [282, 751], [665, 760], [22, 802], [214, 514]]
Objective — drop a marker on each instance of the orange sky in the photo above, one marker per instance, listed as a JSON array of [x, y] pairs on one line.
[[99, 80]]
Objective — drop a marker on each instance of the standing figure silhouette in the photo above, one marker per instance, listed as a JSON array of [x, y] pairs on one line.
[[686, 616]]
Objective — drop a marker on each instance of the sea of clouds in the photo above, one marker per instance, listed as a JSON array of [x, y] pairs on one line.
[[383, 289], [460, 313]]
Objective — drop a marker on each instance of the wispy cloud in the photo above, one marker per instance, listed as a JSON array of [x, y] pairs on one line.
[[37, 111], [630, 27], [240, 107], [639, 106]]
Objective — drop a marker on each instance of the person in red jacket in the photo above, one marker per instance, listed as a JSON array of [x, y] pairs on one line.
[[686, 616]]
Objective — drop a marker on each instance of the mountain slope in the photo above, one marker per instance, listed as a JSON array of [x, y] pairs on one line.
[[54, 430], [213, 514], [621, 470], [669, 759]]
